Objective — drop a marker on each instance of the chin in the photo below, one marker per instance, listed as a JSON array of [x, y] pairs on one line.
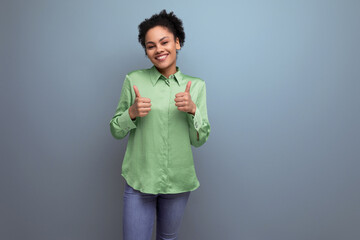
[[161, 66]]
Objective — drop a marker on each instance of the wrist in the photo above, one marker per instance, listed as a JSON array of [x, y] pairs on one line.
[[130, 114], [193, 110]]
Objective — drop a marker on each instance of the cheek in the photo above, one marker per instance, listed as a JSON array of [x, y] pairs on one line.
[[173, 49], [149, 53]]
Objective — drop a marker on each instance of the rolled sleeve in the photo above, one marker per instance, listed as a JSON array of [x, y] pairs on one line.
[[126, 122], [121, 123], [199, 124], [196, 119]]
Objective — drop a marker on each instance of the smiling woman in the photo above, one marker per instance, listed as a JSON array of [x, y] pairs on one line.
[[165, 112], [161, 49]]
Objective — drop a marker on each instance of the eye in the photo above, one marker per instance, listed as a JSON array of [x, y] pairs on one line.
[[150, 47], [165, 43]]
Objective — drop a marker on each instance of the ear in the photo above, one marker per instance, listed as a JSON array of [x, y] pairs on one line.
[[177, 43]]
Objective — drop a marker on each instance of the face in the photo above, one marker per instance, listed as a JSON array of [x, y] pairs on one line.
[[161, 49]]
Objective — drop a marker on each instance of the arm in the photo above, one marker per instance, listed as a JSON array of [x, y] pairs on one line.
[[121, 123], [199, 123]]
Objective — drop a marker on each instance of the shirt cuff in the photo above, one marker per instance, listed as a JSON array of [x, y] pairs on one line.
[[196, 120], [126, 122]]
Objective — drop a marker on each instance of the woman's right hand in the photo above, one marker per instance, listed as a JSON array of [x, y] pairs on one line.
[[141, 106]]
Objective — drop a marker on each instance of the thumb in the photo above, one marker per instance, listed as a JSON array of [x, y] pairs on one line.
[[136, 91], [188, 86]]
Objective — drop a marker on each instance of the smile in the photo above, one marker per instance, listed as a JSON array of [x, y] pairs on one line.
[[162, 57]]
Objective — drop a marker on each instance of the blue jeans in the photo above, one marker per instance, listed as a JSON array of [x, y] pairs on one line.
[[139, 211]]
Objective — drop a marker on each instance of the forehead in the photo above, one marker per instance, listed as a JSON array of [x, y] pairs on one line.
[[156, 33]]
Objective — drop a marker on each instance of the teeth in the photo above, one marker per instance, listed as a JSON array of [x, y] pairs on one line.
[[162, 57]]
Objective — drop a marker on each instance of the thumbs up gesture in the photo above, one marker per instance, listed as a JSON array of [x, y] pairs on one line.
[[141, 106], [183, 100]]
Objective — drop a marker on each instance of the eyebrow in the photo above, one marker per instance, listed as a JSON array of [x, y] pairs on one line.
[[159, 40]]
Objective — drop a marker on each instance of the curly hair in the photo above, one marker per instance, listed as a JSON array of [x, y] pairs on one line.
[[168, 20]]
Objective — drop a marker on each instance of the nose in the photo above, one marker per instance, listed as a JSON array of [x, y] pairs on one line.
[[159, 49]]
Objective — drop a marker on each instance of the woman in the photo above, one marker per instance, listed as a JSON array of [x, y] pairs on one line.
[[165, 112]]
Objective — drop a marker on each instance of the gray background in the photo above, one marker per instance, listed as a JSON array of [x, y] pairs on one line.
[[282, 159]]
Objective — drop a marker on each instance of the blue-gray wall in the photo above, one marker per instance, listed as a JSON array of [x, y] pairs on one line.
[[283, 86]]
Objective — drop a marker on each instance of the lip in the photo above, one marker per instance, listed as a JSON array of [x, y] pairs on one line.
[[161, 60]]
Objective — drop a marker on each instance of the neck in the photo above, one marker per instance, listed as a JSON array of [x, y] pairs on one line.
[[167, 72]]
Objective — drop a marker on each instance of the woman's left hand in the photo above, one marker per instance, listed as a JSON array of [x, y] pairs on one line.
[[183, 101]]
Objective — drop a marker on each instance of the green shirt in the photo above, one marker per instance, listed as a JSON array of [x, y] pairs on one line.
[[158, 157]]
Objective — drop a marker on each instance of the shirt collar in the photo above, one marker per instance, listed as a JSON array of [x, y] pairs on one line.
[[155, 75]]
